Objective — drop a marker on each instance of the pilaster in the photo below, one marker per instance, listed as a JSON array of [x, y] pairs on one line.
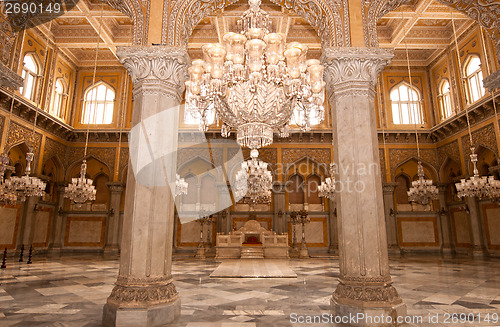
[[113, 223], [56, 239], [447, 241], [390, 218], [478, 244], [365, 285], [145, 294], [279, 215]]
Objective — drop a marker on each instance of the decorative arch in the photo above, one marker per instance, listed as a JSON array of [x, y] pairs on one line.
[[428, 165], [445, 169], [322, 169], [74, 168], [329, 19], [486, 13], [58, 164]]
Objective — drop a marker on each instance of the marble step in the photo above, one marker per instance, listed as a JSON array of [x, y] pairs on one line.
[[252, 253]]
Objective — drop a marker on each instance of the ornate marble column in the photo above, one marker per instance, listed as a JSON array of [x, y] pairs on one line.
[[113, 227], [477, 237], [145, 294], [56, 237], [447, 242], [365, 285], [390, 218]]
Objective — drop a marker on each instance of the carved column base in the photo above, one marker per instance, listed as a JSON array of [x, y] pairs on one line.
[[371, 303], [200, 253], [304, 252], [478, 251], [139, 303]]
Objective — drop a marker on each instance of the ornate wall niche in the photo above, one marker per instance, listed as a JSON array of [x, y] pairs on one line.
[[400, 156]]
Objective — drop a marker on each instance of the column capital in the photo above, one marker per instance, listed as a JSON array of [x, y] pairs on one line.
[[354, 69], [492, 81], [115, 187], [162, 67], [389, 187]]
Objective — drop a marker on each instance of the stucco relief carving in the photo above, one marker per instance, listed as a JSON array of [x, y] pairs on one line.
[[330, 19], [130, 296], [156, 63], [53, 148], [124, 155], [292, 155], [9, 78], [398, 156], [106, 155], [373, 10], [18, 134], [449, 150], [353, 69]]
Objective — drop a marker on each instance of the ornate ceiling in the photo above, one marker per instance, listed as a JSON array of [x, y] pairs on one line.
[[424, 24]]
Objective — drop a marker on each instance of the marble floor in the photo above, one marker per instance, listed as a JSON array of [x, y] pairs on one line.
[[254, 268], [71, 290]]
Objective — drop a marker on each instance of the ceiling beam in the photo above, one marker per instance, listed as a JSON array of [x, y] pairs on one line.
[[95, 22], [427, 15], [410, 22]]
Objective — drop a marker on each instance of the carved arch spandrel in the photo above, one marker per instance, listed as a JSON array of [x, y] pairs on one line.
[[134, 10], [486, 13], [329, 18]]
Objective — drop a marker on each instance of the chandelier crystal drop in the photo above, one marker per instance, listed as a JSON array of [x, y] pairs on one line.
[[475, 186], [422, 191], [181, 186], [254, 180], [81, 189], [27, 186], [327, 188], [255, 83]]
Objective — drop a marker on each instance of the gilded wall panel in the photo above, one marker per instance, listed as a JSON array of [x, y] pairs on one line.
[[18, 134], [398, 156], [106, 155], [449, 150], [53, 148], [481, 137], [320, 155]]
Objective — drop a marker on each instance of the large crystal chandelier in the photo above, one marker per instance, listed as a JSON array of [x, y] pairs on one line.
[[327, 188], [475, 186], [254, 180], [27, 186], [81, 189], [181, 186], [255, 83], [6, 193], [422, 191]]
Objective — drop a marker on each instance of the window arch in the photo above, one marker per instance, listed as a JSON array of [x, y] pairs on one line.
[[474, 78], [98, 105], [31, 69], [315, 117], [406, 106], [59, 98], [193, 117], [444, 98]]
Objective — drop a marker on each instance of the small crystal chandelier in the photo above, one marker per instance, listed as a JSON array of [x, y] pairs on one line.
[[181, 186], [81, 189], [254, 180], [327, 188], [255, 84], [422, 191], [475, 186], [27, 186], [6, 193]]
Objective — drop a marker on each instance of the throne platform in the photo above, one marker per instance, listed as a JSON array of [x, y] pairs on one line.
[[252, 241]]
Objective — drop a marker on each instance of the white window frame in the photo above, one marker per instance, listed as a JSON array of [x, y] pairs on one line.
[[30, 77], [474, 80], [444, 98], [59, 99], [90, 103], [401, 104]]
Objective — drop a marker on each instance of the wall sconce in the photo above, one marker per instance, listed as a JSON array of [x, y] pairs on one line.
[[392, 213], [60, 212], [35, 208], [111, 212], [467, 209], [442, 212]]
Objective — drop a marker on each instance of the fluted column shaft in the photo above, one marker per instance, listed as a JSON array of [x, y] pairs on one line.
[[365, 283], [145, 294]]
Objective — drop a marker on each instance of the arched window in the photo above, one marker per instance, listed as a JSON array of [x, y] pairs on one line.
[[314, 117], [98, 105], [444, 97], [474, 78], [406, 108], [59, 100], [30, 76]]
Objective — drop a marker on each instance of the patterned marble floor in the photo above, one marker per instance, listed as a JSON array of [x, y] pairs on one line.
[[71, 290], [256, 268]]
